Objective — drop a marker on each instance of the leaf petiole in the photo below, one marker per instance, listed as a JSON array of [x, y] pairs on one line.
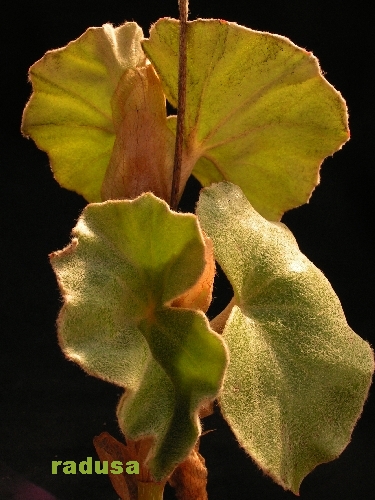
[[183, 6], [150, 491]]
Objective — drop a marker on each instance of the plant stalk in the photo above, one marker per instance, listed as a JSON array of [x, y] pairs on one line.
[[183, 7], [150, 491]]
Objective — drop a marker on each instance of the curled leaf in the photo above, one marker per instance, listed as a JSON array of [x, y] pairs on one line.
[[298, 375], [189, 479], [259, 112], [98, 110], [199, 296], [109, 449], [128, 261], [142, 155]]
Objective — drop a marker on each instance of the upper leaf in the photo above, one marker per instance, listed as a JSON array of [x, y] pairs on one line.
[[298, 375], [129, 260], [69, 114], [259, 112]]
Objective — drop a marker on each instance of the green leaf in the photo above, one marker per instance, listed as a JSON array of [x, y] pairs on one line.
[[259, 112], [128, 261], [298, 375], [69, 114]]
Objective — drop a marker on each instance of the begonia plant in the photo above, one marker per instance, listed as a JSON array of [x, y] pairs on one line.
[[255, 119]]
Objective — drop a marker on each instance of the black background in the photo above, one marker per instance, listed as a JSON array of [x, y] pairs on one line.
[[50, 409]]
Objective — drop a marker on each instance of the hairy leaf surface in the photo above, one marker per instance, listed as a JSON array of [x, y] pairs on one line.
[[298, 375], [77, 110], [127, 263], [259, 112]]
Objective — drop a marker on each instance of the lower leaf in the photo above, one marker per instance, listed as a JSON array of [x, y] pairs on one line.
[[298, 375], [128, 262]]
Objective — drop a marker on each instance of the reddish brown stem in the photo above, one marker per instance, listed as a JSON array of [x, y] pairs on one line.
[[183, 6]]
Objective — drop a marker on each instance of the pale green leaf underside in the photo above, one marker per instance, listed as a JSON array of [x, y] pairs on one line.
[[259, 112], [298, 375], [69, 114], [127, 261]]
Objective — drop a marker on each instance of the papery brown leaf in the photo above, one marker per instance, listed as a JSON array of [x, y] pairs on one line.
[[142, 156], [218, 323], [189, 479], [108, 448], [206, 409], [140, 450]]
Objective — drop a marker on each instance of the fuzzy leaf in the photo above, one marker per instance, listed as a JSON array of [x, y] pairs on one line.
[[129, 260], [298, 375], [259, 112], [69, 114]]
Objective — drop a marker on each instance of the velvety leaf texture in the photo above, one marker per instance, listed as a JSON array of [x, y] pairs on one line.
[[259, 112], [298, 375], [127, 261], [69, 114]]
